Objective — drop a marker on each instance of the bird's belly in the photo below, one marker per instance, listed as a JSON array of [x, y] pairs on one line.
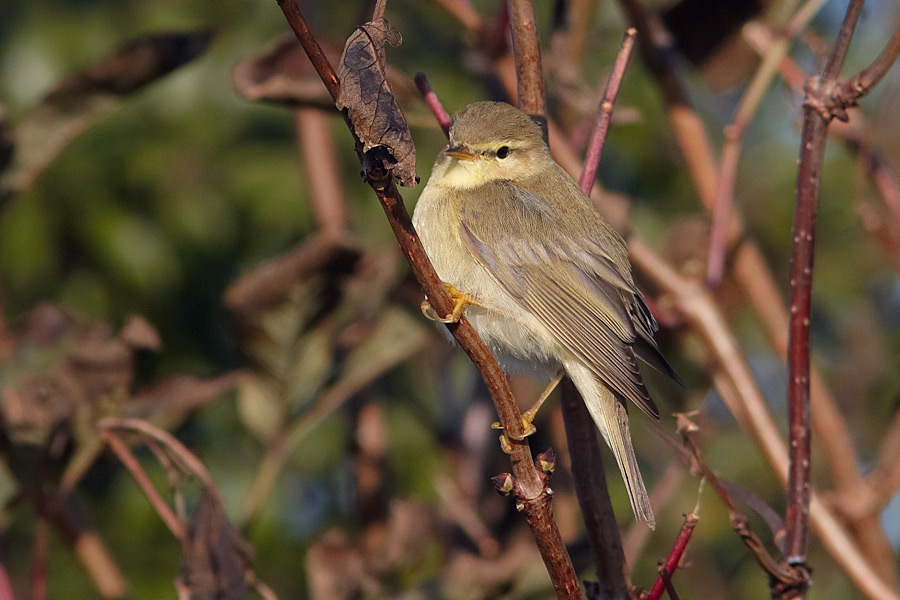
[[517, 339]]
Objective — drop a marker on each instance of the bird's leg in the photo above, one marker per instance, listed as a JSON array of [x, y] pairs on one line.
[[460, 301], [529, 415]]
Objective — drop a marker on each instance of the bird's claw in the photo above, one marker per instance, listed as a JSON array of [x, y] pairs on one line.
[[528, 428], [460, 301]]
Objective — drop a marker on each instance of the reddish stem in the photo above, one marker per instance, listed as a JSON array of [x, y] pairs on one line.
[[431, 99], [674, 558], [812, 151], [604, 115]]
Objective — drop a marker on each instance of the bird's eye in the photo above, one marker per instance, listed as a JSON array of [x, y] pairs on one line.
[[502, 151]]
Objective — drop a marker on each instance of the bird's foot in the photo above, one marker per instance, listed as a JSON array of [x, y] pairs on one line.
[[460, 301], [529, 415]]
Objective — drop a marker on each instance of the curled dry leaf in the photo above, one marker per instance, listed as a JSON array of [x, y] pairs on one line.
[[371, 106], [216, 558]]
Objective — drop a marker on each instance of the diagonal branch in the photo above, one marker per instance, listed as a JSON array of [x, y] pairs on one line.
[[530, 484]]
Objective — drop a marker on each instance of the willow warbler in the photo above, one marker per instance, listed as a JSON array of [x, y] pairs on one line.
[[546, 280]]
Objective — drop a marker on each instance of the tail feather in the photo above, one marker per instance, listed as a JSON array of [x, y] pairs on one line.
[[610, 416]]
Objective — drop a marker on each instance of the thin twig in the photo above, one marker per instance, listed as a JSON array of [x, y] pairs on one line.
[[312, 48], [829, 424], [187, 462], [664, 580], [584, 447], [785, 575], [862, 83], [530, 484], [604, 115], [431, 99], [122, 452]]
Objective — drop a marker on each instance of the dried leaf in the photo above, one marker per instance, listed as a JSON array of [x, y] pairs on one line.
[[86, 97], [216, 557], [373, 110]]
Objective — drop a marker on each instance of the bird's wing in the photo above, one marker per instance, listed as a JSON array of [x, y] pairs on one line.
[[567, 280]]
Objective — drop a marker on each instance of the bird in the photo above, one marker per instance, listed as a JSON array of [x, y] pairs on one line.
[[543, 279]]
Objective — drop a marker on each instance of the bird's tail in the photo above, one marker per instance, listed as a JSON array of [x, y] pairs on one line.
[[611, 419]]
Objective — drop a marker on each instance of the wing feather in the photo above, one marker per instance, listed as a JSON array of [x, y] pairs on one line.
[[570, 284]]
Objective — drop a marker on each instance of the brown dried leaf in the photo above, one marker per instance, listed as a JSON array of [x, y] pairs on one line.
[[216, 557], [373, 110]]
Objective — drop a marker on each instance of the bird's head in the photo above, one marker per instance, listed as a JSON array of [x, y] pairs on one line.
[[491, 141]]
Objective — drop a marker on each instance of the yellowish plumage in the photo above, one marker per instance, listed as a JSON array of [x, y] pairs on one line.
[[504, 223]]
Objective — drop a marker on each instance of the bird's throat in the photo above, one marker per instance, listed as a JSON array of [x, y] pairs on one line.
[[466, 174]]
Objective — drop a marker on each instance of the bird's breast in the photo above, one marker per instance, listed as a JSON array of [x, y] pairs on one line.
[[518, 340]]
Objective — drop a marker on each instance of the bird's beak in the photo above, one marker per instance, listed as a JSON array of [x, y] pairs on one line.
[[459, 153]]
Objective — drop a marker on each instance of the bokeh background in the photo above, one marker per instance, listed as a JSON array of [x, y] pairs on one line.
[[185, 186]]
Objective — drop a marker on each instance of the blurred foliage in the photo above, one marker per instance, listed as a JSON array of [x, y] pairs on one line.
[[161, 206]]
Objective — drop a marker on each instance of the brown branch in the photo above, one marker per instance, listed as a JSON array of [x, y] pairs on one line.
[[312, 48], [530, 484], [527, 49], [812, 152], [829, 424]]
